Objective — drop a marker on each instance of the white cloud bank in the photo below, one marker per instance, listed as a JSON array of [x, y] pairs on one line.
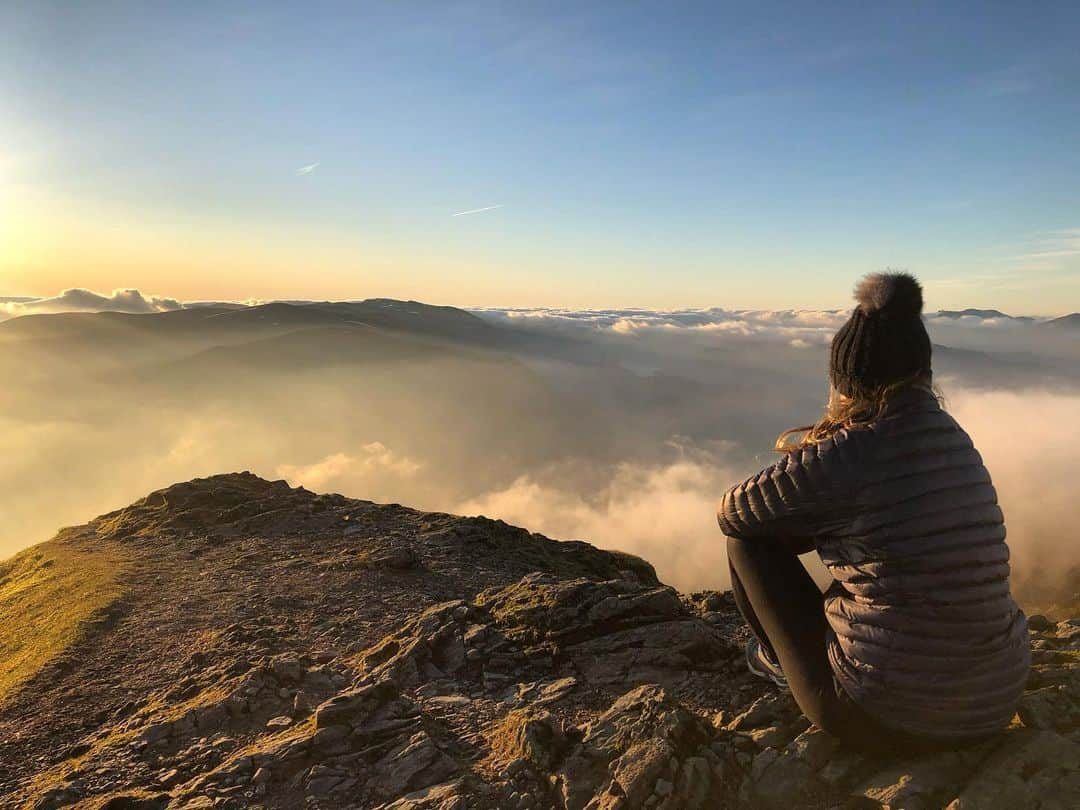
[[663, 513], [81, 300], [800, 328], [666, 512], [1028, 440], [353, 472]]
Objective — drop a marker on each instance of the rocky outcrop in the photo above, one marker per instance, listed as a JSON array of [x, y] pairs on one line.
[[609, 633], [645, 750], [514, 656]]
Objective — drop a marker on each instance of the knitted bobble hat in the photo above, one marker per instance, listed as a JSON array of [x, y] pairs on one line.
[[884, 341]]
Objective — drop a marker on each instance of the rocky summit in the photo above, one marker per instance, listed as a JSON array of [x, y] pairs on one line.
[[232, 642]]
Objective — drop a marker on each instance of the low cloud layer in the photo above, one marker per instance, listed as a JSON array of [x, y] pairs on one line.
[[81, 300], [1028, 440], [975, 329], [365, 470], [809, 326], [662, 513], [665, 512], [571, 437]]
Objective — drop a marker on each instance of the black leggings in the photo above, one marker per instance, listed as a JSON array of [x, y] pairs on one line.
[[785, 610]]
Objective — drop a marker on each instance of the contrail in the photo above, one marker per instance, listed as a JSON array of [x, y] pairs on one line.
[[476, 210], [306, 169]]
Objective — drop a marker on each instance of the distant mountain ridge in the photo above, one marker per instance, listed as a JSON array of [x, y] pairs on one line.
[[984, 314], [370, 305], [387, 313], [1064, 322]]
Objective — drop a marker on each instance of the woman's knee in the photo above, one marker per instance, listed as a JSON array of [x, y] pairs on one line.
[[741, 550], [749, 555]]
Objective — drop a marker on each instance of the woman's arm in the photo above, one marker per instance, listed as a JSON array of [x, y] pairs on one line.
[[798, 498]]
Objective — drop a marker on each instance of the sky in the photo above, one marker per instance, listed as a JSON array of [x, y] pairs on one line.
[[661, 154]]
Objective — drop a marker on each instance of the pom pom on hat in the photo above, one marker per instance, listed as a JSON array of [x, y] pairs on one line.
[[899, 293]]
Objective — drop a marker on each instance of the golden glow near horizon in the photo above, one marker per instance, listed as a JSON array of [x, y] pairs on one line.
[[53, 244], [54, 241]]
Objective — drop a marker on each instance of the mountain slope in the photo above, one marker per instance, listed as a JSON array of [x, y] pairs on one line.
[[266, 646], [1065, 322], [49, 595], [982, 314], [218, 321], [234, 567], [84, 344]]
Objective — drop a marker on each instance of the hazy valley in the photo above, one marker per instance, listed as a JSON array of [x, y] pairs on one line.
[[234, 642], [620, 427]]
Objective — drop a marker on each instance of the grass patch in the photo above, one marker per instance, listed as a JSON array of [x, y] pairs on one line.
[[47, 593]]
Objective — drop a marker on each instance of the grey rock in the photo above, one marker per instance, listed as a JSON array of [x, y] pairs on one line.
[[538, 738], [1039, 623], [929, 781], [446, 796], [415, 764], [1030, 769], [814, 747]]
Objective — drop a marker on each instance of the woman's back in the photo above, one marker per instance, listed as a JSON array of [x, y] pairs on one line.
[[926, 634]]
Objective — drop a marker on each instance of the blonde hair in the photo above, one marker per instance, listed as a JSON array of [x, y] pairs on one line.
[[849, 412]]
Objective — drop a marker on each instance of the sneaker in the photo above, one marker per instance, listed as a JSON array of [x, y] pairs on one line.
[[760, 663]]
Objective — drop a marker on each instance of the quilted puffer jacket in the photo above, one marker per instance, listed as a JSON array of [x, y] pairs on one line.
[[924, 634]]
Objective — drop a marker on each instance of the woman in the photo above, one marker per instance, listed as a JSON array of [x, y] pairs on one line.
[[917, 644]]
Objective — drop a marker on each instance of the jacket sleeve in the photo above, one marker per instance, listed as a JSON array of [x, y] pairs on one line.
[[805, 494]]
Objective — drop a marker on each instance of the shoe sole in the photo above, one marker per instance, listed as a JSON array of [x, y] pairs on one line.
[[764, 673]]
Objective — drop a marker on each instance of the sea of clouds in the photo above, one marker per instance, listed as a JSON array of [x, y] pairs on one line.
[[654, 495]]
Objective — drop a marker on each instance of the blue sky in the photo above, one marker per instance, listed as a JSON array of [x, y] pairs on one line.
[[652, 154]]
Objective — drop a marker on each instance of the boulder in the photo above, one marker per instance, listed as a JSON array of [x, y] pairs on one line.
[[446, 796], [644, 737], [929, 781], [1032, 769]]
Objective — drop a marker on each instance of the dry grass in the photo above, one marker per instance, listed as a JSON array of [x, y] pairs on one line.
[[47, 594]]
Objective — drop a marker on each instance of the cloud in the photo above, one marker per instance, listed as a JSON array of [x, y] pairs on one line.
[[664, 513], [596, 469], [81, 300], [799, 329], [1028, 440], [303, 170], [1010, 81], [476, 210], [1043, 260], [1054, 244], [357, 472], [812, 327]]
